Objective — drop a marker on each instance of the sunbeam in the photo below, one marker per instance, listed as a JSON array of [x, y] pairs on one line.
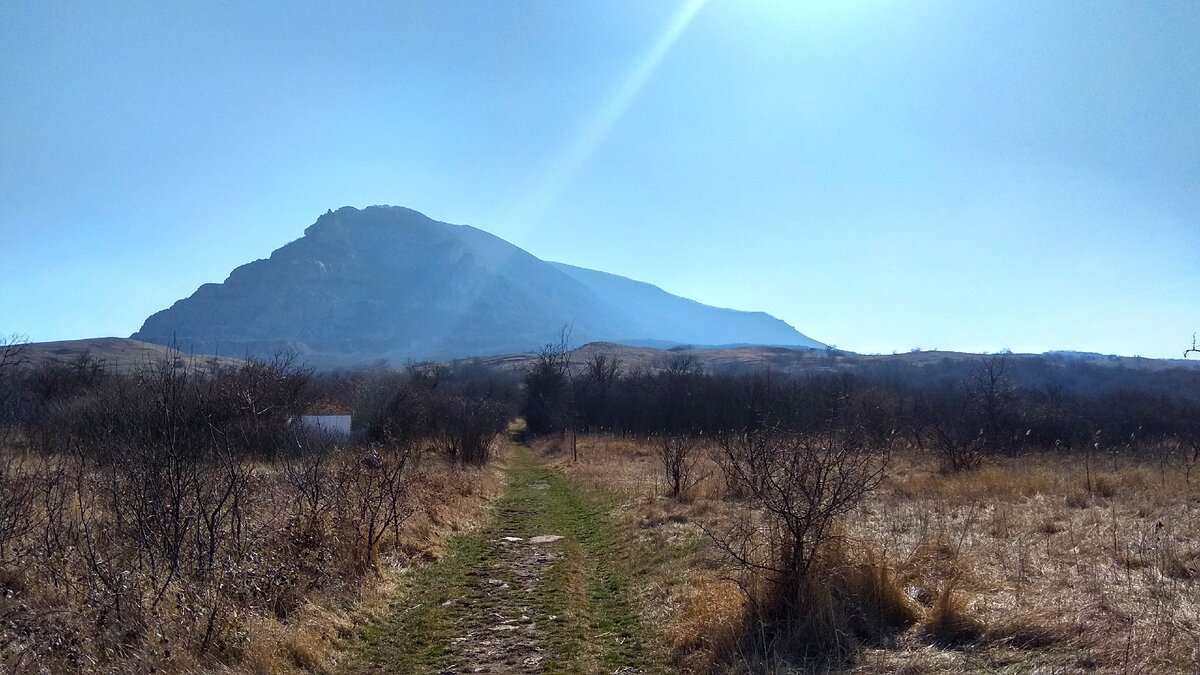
[[573, 159]]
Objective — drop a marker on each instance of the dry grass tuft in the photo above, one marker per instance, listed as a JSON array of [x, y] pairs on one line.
[[1183, 565], [950, 622], [708, 626], [881, 607], [1033, 630], [1078, 500]]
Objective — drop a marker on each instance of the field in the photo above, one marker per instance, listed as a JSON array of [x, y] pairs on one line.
[[1012, 567], [182, 517], [269, 592]]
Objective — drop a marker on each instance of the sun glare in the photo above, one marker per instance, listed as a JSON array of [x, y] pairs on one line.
[[573, 159]]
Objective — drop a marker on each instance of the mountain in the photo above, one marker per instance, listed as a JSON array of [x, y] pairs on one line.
[[389, 282]]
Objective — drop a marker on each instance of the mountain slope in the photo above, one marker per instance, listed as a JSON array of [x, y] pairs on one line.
[[657, 310], [389, 282]]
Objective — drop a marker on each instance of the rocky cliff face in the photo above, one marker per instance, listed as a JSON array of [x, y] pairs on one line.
[[388, 282]]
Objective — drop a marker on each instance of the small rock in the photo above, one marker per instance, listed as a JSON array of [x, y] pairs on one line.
[[511, 540], [545, 539]]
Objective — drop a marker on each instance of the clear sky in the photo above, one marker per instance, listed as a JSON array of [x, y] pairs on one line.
[[881, 175]]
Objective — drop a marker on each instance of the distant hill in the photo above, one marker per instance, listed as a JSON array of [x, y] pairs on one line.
[[390, 283], [1034, 371], [1093, 374], [120, 354]]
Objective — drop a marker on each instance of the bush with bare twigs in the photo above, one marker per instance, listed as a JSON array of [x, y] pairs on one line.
[[808, 595], [679, 458], [156, 519]]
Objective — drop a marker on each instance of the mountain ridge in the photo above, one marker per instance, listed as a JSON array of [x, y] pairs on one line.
[[390, 282]]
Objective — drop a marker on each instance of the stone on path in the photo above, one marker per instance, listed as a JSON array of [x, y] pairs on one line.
[[544, 539]]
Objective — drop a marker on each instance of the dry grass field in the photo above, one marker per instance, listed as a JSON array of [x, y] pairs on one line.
[[119, 354], [75, 596], [1014, 567]]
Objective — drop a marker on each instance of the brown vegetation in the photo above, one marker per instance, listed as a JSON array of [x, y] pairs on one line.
[[1015, 563], [258, 567], [176, 520]]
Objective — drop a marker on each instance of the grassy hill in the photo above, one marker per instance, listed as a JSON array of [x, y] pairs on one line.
[[122, 354]]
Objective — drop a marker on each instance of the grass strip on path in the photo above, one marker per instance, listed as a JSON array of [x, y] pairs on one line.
[[500, 605]]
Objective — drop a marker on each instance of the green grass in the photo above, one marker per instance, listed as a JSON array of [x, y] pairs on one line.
[[587, 588]]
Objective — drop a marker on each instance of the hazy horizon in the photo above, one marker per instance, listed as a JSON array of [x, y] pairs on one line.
[[881, 176]]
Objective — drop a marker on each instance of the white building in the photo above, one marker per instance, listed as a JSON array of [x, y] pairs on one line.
[[329, 418]]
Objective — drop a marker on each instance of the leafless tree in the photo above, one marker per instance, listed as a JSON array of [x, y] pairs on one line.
[[679, 458], [12, 350], [969, 420], [602, 368], [17, 498], [804, 482], [993, 396], [374, 503], [594, 389], [12, 356], [310, 470], [549, 389], [953, 433], [466, 425], [798, 486], [1194, 349]]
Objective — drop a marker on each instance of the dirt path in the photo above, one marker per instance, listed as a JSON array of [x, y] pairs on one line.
[[538, 589]]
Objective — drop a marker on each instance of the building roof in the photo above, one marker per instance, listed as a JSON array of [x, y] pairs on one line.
[[327, 407]]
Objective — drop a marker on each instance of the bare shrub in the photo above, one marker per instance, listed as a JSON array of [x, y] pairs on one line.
[[977, 417], [16, 505], [165, 515], [372, 501], [310, 470], [679, 458], [406, 414], [150, 507], [950, 427], [798, 487], [12, 356], [461, 421], [547, 405], [467, 424]]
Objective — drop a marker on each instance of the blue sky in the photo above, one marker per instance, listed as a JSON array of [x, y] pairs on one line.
[[881, 175]]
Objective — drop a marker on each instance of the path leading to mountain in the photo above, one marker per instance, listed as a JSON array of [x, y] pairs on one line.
[[538, 589]]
